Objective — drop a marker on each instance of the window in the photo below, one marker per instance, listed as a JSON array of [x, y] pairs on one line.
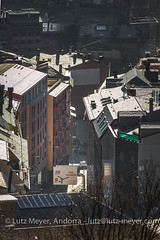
[[29, 96], [43, 102], [33, 127], [40, 120], [38, 123], [36, 89], [23, 41], [43, 118], [41, 105], [38, 107], [40, 152], [156, 96], [33, 159], [38, 139], [33, 111], [39, 87], [33, 142], [38, 155], [33, 93], [43, 133], [25, 99]]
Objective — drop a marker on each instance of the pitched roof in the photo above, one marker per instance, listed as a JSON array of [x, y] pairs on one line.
[[133, 74], [19, 77], [58, 89]]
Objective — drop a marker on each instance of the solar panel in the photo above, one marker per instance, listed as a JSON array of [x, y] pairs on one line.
[[44, 201]]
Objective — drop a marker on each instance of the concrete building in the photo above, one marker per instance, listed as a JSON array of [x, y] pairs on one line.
[[87, 77], [14, 167], [117, 120], [21, 31], [30, 88], [58, 125]]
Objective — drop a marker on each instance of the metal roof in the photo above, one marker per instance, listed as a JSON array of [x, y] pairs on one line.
[[20, 78], [58, 89], [44, 200]]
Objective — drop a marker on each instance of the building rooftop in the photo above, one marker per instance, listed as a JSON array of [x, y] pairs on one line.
[[135, 73], [104, 106], [65, 60], [101, 99], [60, 206], [57, 89], [6, 198], [19, 77]]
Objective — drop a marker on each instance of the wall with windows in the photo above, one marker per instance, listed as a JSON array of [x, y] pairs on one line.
[[34, 123]]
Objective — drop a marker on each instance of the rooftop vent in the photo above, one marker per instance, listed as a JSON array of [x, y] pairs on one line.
[[93, 104], [105, 101]]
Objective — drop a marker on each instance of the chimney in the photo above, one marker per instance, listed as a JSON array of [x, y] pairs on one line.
[[147, 65], [130, 66], [115, 74], [74, 59], [151, 105], [60, 68], [93, 104], [1, 99], [57, 59], [48, 25], [147, 54], [101, 57], [10, 90]]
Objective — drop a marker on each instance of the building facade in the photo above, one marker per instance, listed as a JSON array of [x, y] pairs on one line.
[[30, 88], [58, 125]]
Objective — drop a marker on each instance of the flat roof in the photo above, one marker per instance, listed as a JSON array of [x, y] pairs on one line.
[[7, 197], [65, 60], [19, 77]]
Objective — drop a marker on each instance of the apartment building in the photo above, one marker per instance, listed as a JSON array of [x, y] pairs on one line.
[[58, 125], [123, 130], [21, 31], [30, 88]]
